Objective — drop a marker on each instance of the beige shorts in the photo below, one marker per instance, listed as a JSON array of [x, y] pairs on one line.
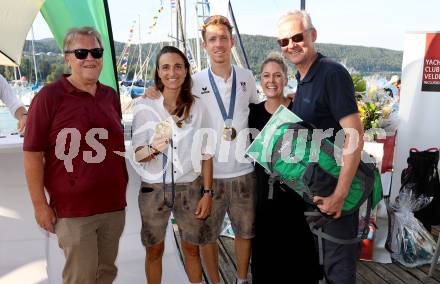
[[237, 196], [155, 213]]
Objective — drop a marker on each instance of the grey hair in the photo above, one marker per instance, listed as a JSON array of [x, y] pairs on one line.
[[84, 31], [303, 15], [275, 57]]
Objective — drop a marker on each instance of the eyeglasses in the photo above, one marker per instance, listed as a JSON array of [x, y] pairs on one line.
[[81, 53], [216, 19], [283, 42]]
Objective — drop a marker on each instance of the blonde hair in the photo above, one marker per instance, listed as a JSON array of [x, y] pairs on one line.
[[275, 57]]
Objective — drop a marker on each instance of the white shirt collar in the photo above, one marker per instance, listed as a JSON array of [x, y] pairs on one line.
[[220, 79]]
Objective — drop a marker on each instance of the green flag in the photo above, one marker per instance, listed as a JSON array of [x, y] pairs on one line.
[[61, 15], [261, 148]]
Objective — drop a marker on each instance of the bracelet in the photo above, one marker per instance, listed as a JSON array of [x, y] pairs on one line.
[[145, 152], [155, 151], [142, 154]]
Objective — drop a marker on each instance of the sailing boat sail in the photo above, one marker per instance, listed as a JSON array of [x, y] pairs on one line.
[[26, 11]]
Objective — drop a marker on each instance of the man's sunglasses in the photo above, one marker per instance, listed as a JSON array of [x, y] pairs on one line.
[[283, 42], [81, 53]]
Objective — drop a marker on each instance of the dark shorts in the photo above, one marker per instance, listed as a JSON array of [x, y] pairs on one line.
[[155, 213], [237, 197]]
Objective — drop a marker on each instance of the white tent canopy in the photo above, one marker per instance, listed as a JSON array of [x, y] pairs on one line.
[[16, 18]]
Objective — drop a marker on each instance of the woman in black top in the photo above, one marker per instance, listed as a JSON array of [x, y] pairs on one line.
[[283, 246]]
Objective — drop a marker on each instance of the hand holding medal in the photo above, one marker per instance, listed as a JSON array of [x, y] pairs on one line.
[[164, 129], [162, 136]]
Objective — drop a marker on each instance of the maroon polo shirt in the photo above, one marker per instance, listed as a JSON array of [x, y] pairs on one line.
[[95, 179]]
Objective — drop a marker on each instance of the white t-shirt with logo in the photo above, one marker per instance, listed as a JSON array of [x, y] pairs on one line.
[[229, 158]]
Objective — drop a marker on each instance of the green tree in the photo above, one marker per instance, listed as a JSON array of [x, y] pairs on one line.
[[359, 83], [9, 73], [57, 71]]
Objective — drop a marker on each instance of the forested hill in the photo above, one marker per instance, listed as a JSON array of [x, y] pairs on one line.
[[360, 59], [365, 60]]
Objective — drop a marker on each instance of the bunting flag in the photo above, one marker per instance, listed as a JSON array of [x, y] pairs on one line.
[[155, 18], [123, 59]]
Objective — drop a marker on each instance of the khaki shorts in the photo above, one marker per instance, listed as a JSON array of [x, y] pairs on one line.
[[155, 213], [237, 196]]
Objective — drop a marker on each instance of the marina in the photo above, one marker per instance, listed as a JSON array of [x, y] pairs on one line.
[[31, 255]]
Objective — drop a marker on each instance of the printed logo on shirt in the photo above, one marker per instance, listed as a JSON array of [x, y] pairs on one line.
[[243, 86], [204, 90], [306, 100]]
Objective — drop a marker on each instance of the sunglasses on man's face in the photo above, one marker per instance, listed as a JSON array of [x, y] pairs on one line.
[[283, 42], [81, 53]]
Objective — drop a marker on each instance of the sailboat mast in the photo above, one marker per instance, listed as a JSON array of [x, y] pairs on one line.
[[198, 51], [184, 23], [19, 72], [180, 20], [177, 24], [33, 55], [239, 36], [171, 26], [140, 42]]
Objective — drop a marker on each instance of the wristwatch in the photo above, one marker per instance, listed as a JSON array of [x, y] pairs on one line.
[[207, 191]]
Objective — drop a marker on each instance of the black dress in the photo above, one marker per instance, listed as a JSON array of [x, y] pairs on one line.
[[283, 250]]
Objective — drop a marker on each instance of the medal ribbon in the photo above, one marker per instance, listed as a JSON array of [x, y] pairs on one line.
[[227, 117]]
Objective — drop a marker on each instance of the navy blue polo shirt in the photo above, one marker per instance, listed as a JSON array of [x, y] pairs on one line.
[[325, 95]]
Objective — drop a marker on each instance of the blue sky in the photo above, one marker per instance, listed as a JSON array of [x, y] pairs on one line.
[[378, 23]]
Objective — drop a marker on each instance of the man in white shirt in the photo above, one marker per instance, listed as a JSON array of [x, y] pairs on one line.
[[16, 108], [227, 90]]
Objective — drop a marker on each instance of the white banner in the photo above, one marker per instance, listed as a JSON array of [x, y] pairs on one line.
[[419, 110]]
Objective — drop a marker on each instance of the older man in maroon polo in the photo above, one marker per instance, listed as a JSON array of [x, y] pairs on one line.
[[71, 142]]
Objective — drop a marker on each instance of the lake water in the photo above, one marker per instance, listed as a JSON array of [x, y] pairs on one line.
[[8, 123]]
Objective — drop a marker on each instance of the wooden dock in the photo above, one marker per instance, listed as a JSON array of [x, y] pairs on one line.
[[367, 272]]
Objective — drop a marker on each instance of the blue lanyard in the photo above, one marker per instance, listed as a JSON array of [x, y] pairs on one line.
[[227, 117], [164, 175]]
